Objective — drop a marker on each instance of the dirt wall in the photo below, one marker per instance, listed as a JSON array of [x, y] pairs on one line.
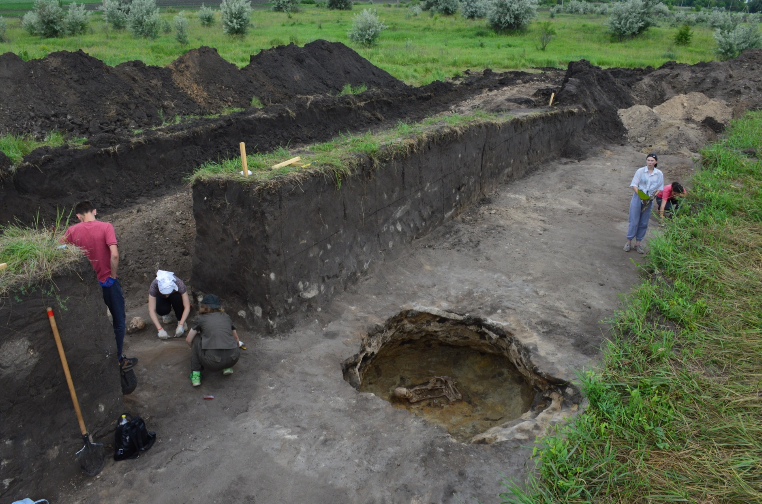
[[291, 246], [115, 170], [39, 428]]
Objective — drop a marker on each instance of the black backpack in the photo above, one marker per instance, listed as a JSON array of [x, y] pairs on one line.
[[131, 437]]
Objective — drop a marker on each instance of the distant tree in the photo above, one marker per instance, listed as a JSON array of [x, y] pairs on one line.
[[447, 7], [181, 28], [3, 28], [76, 20], [206, 15], [684, 35], [755, 6], [547, 32], [505, 15], [115, 13], [339, 4], [474, 9], [286, 6], [366, 28], [731, 43], [236, 16], [49, 18], [143, 19], [631, 18]]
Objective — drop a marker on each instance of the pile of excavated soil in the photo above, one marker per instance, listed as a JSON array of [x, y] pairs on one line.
[[737, 81], [77, 93], [682, 124]]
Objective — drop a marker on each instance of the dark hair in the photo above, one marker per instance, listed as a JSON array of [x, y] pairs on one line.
[[203, 309], [678, 188], [655, 157], [83, 207]]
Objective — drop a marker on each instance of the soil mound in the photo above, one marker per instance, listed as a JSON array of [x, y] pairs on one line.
[[737, 81], [319, 67], [74, 92], [599, 93], [683, 123]]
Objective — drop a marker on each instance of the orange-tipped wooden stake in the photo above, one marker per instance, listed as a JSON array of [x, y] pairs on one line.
[[552, 95], [243, 160]]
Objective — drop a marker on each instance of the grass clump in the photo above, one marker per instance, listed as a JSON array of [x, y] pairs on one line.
[[18, 146], [33, 254], [675, 407], [348, 89], [340, 156]]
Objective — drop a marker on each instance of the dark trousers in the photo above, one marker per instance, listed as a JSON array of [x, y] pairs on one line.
[[173, 302], [671, 206], [212, 360], [114, 299]]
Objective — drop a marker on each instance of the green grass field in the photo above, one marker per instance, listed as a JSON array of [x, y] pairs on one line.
[[416, 49], [675, 407]]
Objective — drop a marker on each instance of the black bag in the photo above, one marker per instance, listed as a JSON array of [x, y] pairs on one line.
[[132, 437], [129, 381]]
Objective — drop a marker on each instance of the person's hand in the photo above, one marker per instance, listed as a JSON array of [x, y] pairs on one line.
[[163, 334], [179, 331]]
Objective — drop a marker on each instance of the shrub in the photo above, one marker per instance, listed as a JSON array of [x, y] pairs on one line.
[[115, 14], [428, 4], [285, 5], [31, 22], [414, 11], [3, 28], [49, 18], [236, 16], [143, 19], [731, 43], [554, 10], [547, 32], [661, 10], [505, 15], [474, 9], [181, 28], [684, 35], [76, 20], [720, 20], [631, 18], [205, 15], [366, 28], [165, 26], [340, 4], [446, 7]]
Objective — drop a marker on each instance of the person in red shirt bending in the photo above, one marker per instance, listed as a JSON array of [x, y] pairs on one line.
[[98, 240], [668, 198]]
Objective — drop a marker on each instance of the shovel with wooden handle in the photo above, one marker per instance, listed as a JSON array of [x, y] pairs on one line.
[[92, 456]]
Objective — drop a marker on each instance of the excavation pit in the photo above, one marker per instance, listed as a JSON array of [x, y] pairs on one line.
[[465, 374]]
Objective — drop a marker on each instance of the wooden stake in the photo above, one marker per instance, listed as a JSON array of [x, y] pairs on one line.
[[552, 95], [243, 160], [3, 266], [286, 163]]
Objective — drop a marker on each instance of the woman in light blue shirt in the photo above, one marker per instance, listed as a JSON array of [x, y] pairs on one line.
[[650, 180]]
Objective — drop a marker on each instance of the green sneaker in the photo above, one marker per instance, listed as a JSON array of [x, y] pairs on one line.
[[227, 371], [195, 377]]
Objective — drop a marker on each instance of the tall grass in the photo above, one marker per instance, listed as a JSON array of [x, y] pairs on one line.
[[33, 254], [342, 154], [18, 146], [416, 49], [675, 410]]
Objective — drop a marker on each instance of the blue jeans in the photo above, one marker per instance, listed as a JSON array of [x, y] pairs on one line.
[[638, 218], [114, 299]]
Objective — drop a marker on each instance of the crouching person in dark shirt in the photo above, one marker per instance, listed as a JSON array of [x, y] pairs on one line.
[[213, 340]]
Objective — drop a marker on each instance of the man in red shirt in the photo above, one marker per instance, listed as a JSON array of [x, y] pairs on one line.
[[98, 240]]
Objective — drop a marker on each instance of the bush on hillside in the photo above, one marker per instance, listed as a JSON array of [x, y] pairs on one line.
[[339, 4], [115, 13], [286, 5], [181, 28], [504, 15], [631, 18], [3, 28], [76, 20], [366, 28], [731, 43], [236, 16], [446, 7], [684, 35], [143, 19], [30, 22], [205, 15], [720, 20], [474, 9]]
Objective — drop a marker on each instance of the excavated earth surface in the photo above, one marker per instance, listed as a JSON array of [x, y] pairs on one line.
[[540, 256]]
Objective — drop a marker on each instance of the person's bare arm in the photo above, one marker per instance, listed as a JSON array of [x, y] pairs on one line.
[[662, 207], [114, 259], [186, 309], [235, 333], [189, 338], [152, 312]]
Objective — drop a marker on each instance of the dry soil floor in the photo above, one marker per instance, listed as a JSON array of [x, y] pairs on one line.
[[543, 255]]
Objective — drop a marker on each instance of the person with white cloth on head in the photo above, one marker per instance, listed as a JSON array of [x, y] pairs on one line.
[[167, 293]]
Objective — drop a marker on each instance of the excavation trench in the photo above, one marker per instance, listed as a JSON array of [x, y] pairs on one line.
[[465, 374]]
